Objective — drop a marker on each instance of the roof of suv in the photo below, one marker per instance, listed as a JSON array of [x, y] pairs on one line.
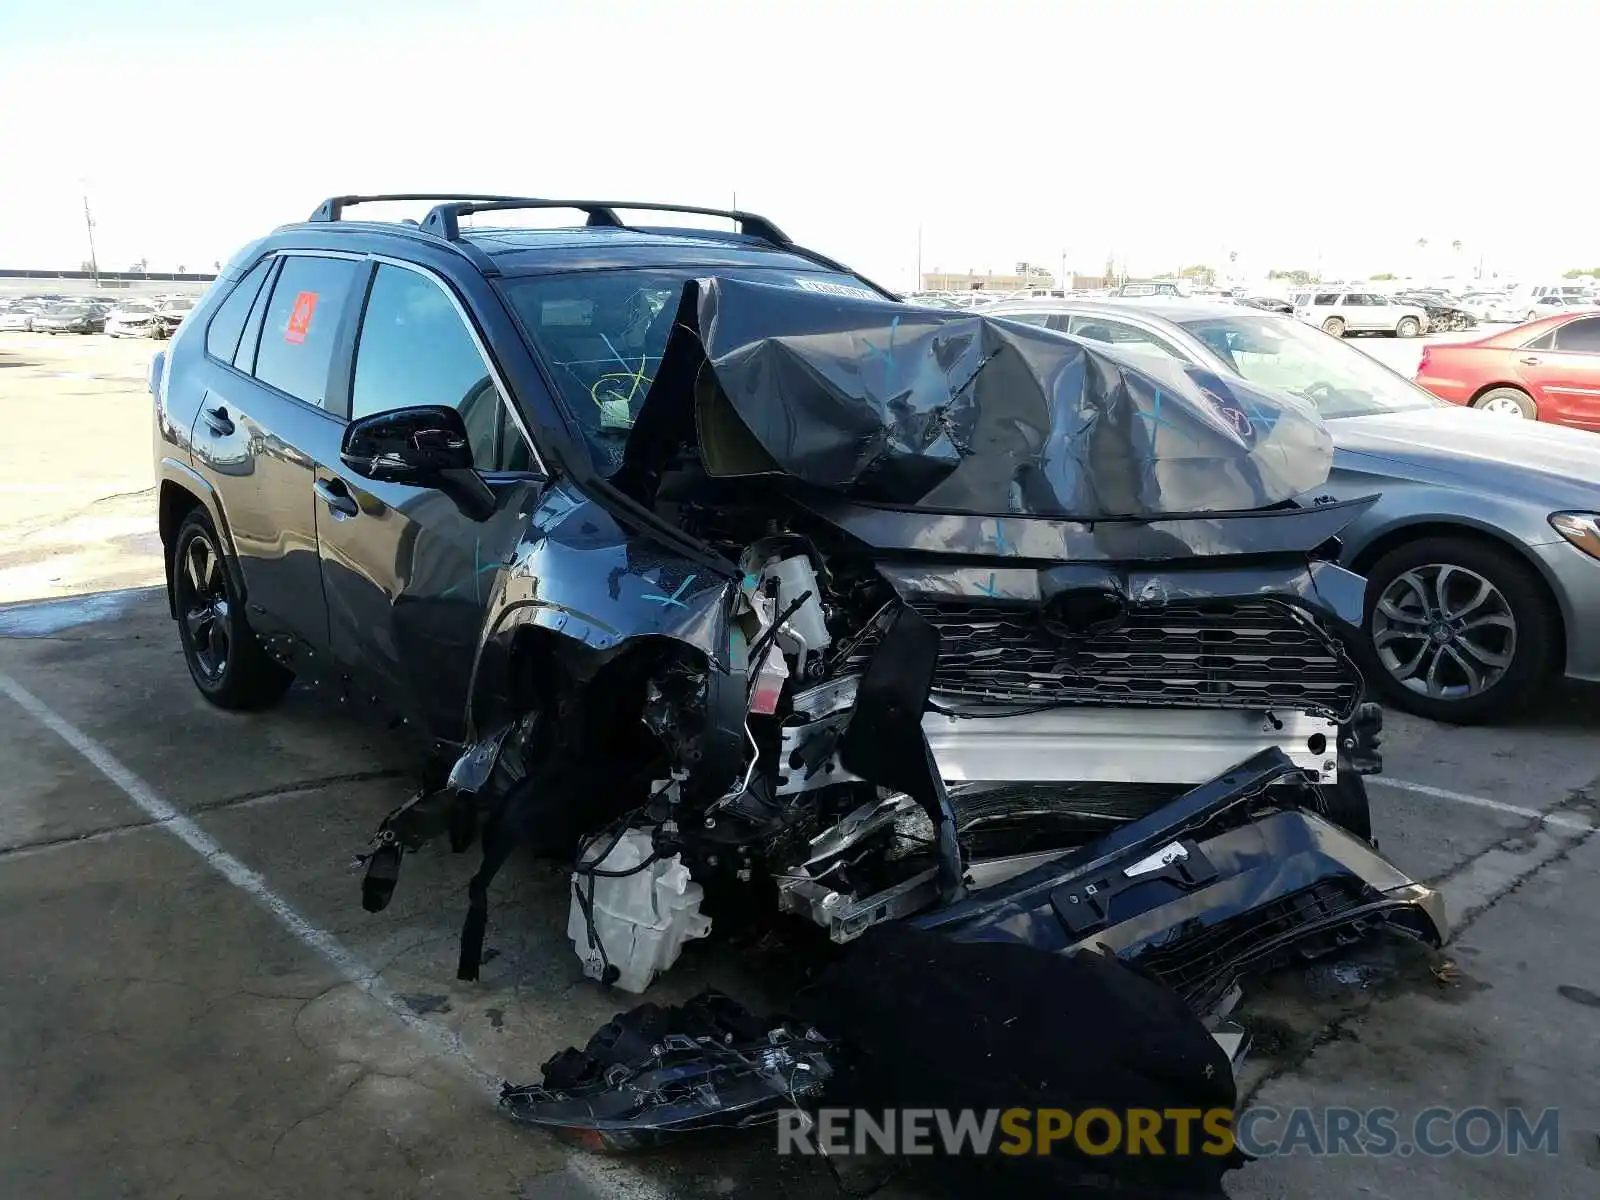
[[526, 250], [605, 241]]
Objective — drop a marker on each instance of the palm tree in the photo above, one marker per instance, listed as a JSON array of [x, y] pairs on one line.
[[1456, 245], [1422, 243]]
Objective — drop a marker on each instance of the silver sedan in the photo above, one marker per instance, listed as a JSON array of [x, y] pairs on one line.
[[1483, 555]]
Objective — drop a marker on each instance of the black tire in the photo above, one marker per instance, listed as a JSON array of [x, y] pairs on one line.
[[1408, 327], [1334, 326], [1529, 644], [1523, 401], [224, 658]]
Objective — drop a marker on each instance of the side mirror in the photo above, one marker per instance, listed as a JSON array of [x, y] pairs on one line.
[[158, 364], [409, 445]]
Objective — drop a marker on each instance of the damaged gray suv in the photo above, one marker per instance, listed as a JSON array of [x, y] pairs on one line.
[[704, 564]]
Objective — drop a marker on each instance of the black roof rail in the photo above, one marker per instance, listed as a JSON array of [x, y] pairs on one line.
[[333, 207], [445, 219]]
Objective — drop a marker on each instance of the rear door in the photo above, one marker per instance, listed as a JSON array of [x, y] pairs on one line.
[[1353, 310], [1564, 379], [406, 572], [261, 427]]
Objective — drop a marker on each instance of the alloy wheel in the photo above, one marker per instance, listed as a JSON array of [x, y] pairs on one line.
[[1444, 631], [1505, 406], [206, 614]]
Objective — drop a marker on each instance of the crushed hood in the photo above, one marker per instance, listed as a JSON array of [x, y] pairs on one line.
[[959, 412]]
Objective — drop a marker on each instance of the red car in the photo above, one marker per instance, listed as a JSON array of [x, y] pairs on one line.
[[1546, 370]]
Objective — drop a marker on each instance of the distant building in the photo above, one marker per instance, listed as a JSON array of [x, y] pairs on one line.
[[971, 281]]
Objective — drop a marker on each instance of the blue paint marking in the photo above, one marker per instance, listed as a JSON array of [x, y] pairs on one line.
[[990, 588], [889, 370], [1155, 418], [672, 600], [1000, 540], [479, 569]]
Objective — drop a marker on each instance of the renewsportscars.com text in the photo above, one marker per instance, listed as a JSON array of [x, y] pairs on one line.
[[1260, 1131]]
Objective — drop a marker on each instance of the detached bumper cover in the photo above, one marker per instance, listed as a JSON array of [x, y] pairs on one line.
[[1198, 897]]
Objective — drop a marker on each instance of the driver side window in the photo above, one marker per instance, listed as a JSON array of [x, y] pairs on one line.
[[414, 349]]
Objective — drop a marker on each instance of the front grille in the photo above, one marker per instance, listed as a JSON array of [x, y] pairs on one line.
[[1253, 654], [1198, 964]]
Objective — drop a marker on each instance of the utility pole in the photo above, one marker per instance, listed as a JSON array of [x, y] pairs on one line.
[[88, 221], [919, 256]]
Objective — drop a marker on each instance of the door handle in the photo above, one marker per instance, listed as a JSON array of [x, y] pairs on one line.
[[337, 497], [218, 421], [1532, 360]]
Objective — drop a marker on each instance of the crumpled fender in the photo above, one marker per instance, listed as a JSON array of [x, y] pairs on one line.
[[582, 575]]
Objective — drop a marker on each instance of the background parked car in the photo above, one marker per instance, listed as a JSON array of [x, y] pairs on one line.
[[1548, 370], [1482, 553], [1444, 314], [131, 320], [170, 314], [1554, 302], [20, 316], [1492, 306], [69, 317], [1340, 313], [1268, 304]]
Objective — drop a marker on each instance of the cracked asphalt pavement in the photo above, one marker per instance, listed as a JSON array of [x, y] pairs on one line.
[[196, 1004]]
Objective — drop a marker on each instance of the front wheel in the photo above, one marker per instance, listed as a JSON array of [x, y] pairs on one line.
[[1334, 326], [1408, 327], [1457, 630], [224, 658]]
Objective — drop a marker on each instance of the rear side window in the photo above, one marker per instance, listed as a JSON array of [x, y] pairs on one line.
[[302, 324], [1123, 336], [222, 337], [1582, 336]]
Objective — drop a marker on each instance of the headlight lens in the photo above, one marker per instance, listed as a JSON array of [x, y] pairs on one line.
[[1580, 528]]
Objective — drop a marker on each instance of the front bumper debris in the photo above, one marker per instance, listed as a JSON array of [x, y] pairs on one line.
[[652, 1072], [1199, 897]]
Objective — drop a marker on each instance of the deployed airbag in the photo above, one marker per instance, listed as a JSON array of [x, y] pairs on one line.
[[961, 412]]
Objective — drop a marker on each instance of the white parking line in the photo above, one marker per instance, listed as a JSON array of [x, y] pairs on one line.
[[1555, 820], [319, 941], [604, 1177]]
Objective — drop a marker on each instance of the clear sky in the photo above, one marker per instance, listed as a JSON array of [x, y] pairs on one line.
[[1169, 132]]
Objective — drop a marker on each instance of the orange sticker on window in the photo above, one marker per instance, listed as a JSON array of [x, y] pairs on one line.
[[300, 317]]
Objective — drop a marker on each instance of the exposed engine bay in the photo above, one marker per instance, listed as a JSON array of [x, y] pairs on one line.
[[869, 698]]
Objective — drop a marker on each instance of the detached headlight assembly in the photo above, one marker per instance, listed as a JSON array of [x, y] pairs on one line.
[[1580, 528]]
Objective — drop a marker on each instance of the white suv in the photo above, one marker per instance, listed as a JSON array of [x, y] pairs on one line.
[[1340, 313]]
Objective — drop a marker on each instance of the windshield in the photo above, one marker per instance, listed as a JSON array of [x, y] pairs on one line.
[[1338, 379], [602, 334]]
